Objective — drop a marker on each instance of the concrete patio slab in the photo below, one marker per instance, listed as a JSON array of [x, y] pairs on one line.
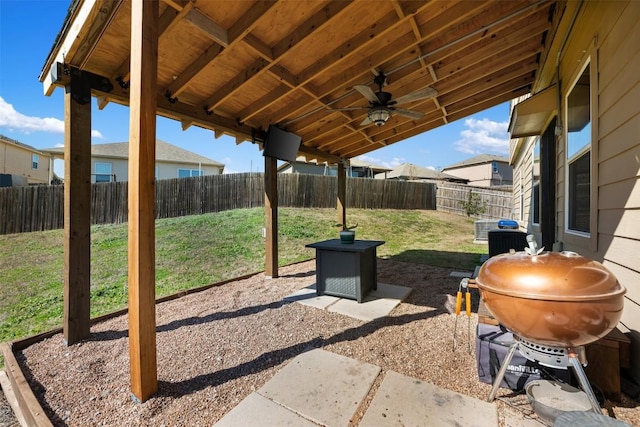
[[307, 296], [378, 303], [518, 418], [320, 388], [258, 411], [406, 401], [386, 290], [324, 387]]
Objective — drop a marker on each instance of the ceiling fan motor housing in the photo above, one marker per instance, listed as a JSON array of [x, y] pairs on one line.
[[379, 115], [383, 97]]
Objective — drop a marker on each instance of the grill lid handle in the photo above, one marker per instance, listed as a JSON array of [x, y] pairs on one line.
[[533, 246]]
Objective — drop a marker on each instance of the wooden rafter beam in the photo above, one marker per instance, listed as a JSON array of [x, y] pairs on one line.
[[259, 48], [177, 5], [517, 39], [338, 56], [303, 31], [188, 74], [316, 153], [465, 112], [234, 35], [104, 16], [169, 19], [452, 15], [174, 110], [208, 26], [236, 83]]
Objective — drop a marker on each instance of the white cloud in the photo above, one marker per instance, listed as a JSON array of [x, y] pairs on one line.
[[12, 119], [484, 137]]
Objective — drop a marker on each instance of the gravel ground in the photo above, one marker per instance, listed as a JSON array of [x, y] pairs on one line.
[[217, 346]]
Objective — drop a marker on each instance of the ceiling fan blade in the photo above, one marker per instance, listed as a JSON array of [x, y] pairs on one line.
[[366, 121], [349, 108], [367, 92], [427, 92], [416, 115]]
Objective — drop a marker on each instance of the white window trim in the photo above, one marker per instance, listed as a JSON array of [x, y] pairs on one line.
[[532, 208], [36, 162], [518, 208], [590, 59]]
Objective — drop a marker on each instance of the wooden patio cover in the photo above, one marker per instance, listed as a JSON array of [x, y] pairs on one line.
[[236, 67]]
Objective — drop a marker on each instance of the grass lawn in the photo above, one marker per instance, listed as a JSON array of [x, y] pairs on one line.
[[199, 250]]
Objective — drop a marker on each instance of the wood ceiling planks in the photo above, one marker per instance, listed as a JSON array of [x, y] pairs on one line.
[[233, 66]]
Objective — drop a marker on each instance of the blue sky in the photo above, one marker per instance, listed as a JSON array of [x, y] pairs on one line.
[[28, 29]]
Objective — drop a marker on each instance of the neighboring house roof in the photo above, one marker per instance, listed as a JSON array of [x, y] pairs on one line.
[[355, 163], [165, 152], [11, 141], [477, 160], [410, 171], [362, 164]]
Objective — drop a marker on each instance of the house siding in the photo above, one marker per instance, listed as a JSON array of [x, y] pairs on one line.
[[481, 175], [16, 160], [619, 153], [523, 171], [608, 33], [165, 170], [119, 168], [169, 170]]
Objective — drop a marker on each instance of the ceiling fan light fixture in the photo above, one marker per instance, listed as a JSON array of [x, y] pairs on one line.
[[379, 115]]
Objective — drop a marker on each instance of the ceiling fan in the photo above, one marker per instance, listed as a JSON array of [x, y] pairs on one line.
[[382, 106]]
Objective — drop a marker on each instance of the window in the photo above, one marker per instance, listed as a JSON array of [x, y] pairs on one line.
[[494, 167], [35, 159], [331, 170], [578, 124], [535, 187], [103, 172], [186, 173]]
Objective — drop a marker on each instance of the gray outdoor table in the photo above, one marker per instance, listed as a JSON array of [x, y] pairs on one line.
[[347, 270]]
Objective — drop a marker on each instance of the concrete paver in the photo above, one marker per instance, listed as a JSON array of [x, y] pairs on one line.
[[320, 388], [406, 401], [325, 387], [377, 303], [307, 296], [258, 411]]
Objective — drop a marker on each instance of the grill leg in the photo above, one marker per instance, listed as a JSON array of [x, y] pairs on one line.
[[584, 382], [502, 371]]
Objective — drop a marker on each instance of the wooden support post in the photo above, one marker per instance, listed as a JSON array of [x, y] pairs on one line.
[[142, 144], [342, 195], [77, 209], [271, 216]]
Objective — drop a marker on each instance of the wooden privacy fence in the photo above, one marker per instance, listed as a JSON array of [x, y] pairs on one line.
[[497, 204], [40, 208]]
